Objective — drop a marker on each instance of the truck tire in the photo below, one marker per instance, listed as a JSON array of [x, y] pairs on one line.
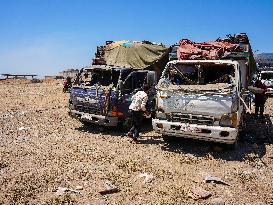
[[85, 123], [121, 126], [168, 138]]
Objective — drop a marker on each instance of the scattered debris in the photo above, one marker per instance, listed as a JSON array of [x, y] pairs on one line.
[[79, 188], [199, 193], [23, 128], [209, 179], [63, 190], [147, 177], [109, 188]]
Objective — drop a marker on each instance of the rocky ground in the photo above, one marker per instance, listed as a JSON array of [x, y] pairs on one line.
[[48, 158]]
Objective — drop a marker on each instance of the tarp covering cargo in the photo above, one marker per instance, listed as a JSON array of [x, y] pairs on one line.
[[234, 47], [133, 54], [214, 50], [211, 50]]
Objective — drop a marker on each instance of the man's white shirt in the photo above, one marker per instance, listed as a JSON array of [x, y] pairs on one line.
[[139, 101]]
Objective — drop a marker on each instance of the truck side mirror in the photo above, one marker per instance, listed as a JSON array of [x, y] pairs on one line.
[[151, 78]]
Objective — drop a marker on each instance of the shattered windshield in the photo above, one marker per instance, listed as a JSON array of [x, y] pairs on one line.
[[201, 76], [100, 77]]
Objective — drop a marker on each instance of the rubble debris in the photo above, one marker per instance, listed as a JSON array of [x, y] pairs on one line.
[[109, 188], [23, 128], [147, 177], [79, 188], [209, 179], [63, 190], [199, 193]]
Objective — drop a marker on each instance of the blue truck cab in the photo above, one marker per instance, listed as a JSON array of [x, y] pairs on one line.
[[101, 94]]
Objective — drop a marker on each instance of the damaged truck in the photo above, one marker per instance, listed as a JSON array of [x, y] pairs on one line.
[[203, 95], [102, 92]]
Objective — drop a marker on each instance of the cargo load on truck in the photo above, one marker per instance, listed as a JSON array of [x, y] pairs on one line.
[[233, 47], [137, 55]]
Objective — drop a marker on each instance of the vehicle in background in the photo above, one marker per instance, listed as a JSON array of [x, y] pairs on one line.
[[203, 95]]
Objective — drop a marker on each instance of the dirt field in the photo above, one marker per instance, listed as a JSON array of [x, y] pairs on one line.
[[42, 149]]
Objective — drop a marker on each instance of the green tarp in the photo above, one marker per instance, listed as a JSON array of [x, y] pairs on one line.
[[136, 55]]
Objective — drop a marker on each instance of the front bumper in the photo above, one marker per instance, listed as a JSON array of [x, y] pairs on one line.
[[225, 135], [95, 119], [269, 91]]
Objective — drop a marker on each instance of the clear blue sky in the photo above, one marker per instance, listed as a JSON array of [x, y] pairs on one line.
[[47, 36]]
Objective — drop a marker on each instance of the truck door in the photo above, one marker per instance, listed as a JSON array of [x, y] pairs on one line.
[[131, 85]]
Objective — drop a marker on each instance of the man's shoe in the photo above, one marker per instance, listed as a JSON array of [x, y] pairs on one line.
[[130, 135], [135, 141]]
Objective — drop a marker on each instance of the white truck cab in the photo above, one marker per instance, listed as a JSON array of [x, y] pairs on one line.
[[200, 99]]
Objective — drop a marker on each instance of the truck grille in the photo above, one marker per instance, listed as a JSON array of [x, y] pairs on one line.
[[192, 119], [91, 109]]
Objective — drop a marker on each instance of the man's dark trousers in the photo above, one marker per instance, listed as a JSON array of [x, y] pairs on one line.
[[259, 103], [137, 117]]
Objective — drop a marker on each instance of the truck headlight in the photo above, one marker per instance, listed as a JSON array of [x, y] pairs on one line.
[[161, 116], [228, 120]]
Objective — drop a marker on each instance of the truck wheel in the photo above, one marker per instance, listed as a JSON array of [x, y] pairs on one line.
[[168, 138], [85, 123], [120, 126]]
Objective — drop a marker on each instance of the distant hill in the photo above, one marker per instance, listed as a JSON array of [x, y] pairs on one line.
[[265, 56], [264, 59]]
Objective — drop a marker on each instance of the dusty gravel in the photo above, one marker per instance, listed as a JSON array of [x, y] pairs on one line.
[[42, 149]]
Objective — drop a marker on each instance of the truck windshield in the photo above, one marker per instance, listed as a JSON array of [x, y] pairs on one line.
[[200, 74], [267, 76], [100, 77]]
